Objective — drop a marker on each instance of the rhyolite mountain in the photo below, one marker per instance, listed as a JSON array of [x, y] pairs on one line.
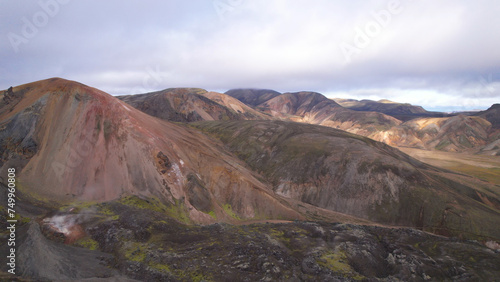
[[190, 104], [393, 123], [128, 186], [315, 108]]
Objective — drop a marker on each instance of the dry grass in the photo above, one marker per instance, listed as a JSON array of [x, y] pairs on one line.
[[484, 167]]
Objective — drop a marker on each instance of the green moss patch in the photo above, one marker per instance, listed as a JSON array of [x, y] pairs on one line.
[[87, 243], [338, 263], [229, 211]]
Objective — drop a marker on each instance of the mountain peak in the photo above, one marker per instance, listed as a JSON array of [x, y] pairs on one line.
[[494, 107]]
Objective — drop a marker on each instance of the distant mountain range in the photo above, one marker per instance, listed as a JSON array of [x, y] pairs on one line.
[[393, 123]]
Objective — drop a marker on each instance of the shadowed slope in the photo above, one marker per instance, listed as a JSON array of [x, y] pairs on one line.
[[252, 97]]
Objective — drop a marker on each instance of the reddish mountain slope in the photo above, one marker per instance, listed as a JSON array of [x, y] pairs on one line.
[[76, 143]]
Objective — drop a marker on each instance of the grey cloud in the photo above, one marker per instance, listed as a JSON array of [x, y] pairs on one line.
[[440, 50]]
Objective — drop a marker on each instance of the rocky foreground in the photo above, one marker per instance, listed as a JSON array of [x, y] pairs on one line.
[[134, 239]]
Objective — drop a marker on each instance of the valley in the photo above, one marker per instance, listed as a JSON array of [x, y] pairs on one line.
[[483, 167]]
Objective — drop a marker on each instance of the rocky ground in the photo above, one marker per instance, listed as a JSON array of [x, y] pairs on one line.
[[129, 240]]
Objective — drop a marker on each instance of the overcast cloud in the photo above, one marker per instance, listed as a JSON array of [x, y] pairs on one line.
[[439, 54]]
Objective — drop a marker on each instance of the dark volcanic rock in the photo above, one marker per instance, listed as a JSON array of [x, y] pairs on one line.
[[312, 251], [135, 242]]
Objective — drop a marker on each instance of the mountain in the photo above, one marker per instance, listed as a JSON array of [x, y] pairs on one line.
[[314, 108], [347, 173], [76, 143], [180, 104], [252, 97]]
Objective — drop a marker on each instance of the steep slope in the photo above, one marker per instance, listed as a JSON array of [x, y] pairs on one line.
[[180, 104], [252, 97], [351, 174], [71, 142], [314, 108]]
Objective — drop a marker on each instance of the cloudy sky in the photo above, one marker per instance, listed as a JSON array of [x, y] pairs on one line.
[[443, 55]]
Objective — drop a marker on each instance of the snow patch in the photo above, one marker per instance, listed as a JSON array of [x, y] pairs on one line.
[[178, 174]]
